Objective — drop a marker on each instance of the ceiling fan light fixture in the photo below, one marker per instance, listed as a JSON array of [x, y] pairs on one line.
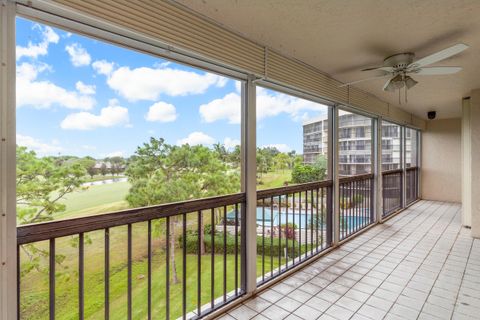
[[395, 83], [409, 82]]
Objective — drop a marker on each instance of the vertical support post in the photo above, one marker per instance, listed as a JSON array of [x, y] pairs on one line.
[[249, 186], [377, 153], [334, 156], [8, 220], [403, 157], [419, 164]]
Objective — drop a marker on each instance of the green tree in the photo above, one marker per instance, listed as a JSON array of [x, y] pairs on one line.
[[88, 163], [162, 173], [117, 164], [303, 173], [281, 161], [41, 183], [103, 169]]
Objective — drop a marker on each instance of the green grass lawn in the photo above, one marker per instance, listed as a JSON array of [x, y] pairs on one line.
[[34, 300], [99, 177], [274, 179], [95, 200], [107, 198]]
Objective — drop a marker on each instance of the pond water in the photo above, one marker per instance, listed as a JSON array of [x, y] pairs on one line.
[[107, 181]]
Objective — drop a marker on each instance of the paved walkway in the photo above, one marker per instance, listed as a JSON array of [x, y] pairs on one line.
[[420, 264]]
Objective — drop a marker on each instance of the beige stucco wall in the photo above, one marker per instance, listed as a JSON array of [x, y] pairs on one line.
[[441, 160]]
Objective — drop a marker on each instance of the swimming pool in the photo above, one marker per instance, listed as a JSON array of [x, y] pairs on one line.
[[301, 220]]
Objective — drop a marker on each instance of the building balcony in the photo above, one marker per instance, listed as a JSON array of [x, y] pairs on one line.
[[420, 264]]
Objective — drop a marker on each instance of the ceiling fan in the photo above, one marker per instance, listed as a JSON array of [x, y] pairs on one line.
[[399, 67]]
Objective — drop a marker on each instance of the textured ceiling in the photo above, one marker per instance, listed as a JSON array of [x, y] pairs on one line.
[[340, 37]]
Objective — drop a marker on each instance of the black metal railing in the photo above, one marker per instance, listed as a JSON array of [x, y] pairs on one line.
[[392, 186], [411, 177], [179, 245], [294, 223], [356, 204]]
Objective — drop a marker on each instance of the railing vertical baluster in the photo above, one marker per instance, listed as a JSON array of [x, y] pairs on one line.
[[184, 266], [149, 270], [279, 233], [316, 219], [224, 253], [287, 228], [199, 261], [129, 264], [80, 276], [51, 277], [167, 273], [294, 231], [300, 226], [311, 221], [271, 237], [236, 248], [329, 215], [263, 238], [107, 274], [306, 223], [322, 211], [357, 213], [212, 260], [366, 201]]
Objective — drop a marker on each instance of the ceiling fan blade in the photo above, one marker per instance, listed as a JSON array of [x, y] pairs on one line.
[[386, 69], [434, 71], [440, 55], [366, 79]]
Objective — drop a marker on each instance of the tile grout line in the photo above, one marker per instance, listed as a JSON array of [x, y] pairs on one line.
[[400, 218], [406, 237], [378, 246]]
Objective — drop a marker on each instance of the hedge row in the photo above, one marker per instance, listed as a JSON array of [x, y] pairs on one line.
[[272, 247]]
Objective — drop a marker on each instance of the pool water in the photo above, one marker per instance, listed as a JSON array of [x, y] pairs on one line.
[[301, 219]]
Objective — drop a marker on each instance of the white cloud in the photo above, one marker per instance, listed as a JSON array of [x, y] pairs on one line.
[[161, 112], [268, 105], [89, 147], [103, 67], [78, 55], [85, 88], [110, 116], [149, 83], [115, 154], [227, 108], [282, 147], [231, 143], [196, 138], [41, 48], [39, 147], [43, 93]]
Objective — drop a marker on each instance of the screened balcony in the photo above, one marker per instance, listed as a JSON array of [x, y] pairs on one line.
[[284, 194]]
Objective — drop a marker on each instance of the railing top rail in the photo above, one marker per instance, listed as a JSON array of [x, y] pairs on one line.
[[411, 168], [61, 228], [395, 171], [262, 194], [358, 177]]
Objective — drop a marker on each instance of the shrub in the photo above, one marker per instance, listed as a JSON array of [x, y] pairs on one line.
[[272, 246]]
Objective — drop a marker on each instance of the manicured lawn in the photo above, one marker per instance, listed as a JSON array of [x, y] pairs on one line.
[[106, 198], [274, 179], [35, 302], [95, 200]]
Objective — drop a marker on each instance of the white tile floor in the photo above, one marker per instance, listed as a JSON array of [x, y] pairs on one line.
[[419, 265]]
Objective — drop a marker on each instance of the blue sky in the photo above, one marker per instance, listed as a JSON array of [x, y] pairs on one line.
[[80, 96]]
